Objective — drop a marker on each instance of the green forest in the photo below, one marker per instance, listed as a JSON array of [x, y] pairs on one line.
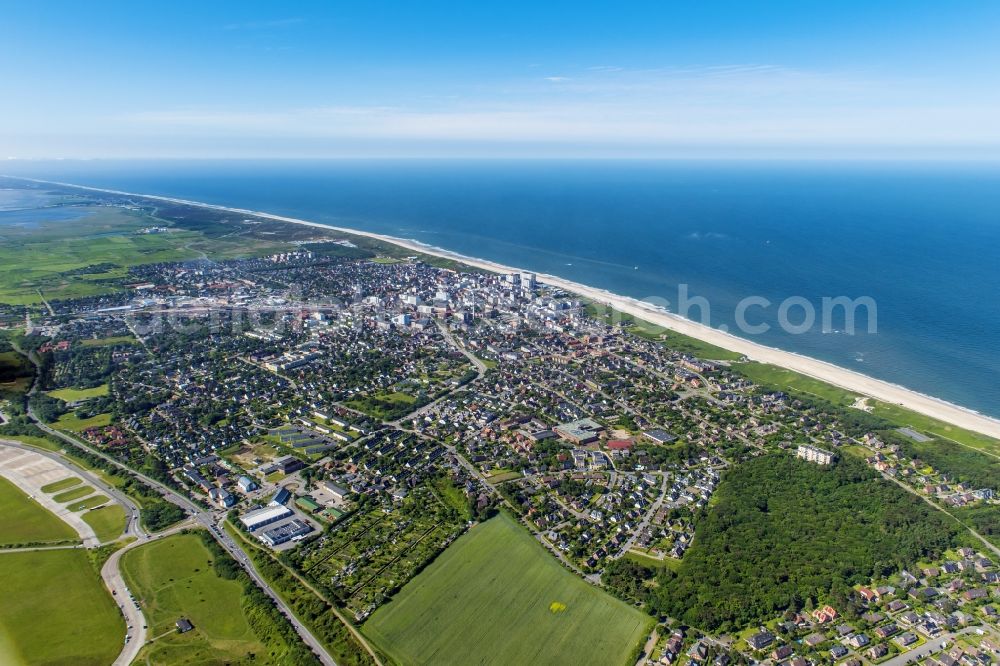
[[785, 533]]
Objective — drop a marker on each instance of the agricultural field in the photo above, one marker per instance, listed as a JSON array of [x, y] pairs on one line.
[[172, 578], [108, 521], [55, 610], [496, 597], [22, 520], [365, 559]]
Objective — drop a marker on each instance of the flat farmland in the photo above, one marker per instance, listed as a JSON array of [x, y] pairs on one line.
[[496, 597]]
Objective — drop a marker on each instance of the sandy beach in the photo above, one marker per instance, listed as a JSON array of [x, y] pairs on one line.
[[827, 372]]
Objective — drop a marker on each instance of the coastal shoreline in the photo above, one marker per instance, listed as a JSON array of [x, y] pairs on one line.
[[830, 373]]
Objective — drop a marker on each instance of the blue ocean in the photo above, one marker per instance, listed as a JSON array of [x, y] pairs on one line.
[[922, 240]]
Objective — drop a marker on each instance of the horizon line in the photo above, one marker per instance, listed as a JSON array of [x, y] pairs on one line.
[[498, 158]]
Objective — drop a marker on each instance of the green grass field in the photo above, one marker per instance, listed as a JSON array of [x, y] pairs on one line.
[[107, 342], [108, 521], [72, 423], [89, 255], [55, 611], [37, 442], [87, 503], [75, 395], [63, 484], [647, 561], [22, 520], [50, 260], [906, 418], [173, 579], [72, 494], [496, 597]]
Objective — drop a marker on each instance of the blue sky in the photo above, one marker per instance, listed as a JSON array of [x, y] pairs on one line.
[[660, 79]]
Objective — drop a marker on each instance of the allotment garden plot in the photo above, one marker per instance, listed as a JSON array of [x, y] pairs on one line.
[[369, 556]]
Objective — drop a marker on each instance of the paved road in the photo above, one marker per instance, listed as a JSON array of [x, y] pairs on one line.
[[931, 647], [132, 527], [641, 527], [913, 491], [201, 516], [473, 359], [136, 626], [135, 622], [206, 519]]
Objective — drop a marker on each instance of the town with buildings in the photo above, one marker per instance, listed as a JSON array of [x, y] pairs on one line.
[[357, 416]]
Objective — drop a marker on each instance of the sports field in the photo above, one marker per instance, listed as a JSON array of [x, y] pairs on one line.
[[172, 578], [23, 520], [496, 597], [54, 610]]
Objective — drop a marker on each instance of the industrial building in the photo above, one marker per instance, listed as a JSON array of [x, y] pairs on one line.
[[284, 533], [285, 465], [658, 436], [338, 491], [254, 520]]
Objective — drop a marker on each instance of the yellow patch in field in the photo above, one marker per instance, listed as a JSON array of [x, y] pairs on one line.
[[556, 607]]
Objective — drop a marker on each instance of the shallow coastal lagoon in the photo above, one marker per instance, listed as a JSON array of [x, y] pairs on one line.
[[920, 240], [28, 209]]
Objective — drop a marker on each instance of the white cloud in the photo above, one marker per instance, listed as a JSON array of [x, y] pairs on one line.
[[737, 105]]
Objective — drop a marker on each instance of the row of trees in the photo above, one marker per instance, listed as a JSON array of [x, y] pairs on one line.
[[263, 616]]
